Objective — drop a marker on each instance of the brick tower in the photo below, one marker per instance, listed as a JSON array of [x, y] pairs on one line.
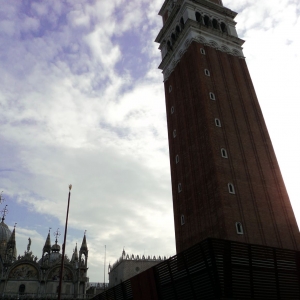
[[226, 182]]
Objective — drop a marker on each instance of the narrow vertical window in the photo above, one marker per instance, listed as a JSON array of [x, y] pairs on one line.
[[217, 122], [224, 153], [177, 159], [172, 110], [182, 220], [170, 89], [231, 188], [239, 228], [174, 133], [212, 96], [179, 188], [207, 73], [202, 51]]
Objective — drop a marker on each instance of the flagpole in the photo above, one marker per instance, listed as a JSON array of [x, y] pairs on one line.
[[104, 265], [64, 247]]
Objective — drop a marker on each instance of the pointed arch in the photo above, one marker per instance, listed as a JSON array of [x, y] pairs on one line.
[[213, 44], [236, 52], [225, 49], [202, 40]]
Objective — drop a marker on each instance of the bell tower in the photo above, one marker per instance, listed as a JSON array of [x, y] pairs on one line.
[[226, 182]]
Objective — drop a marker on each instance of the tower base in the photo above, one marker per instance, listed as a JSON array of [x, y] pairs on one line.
[[217, 269]]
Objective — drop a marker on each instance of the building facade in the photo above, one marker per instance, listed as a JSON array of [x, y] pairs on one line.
[[226, 182], [128, 266], [39, 278]]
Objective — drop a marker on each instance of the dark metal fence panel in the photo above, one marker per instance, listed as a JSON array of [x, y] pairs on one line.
[[219, 269]]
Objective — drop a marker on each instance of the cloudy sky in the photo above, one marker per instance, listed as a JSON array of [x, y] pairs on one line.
[[82, 102]]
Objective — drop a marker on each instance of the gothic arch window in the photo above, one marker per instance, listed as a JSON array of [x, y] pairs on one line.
[[202, 51], [22, 289], [212, 96], [231, 188], [177, 30], [215, 24], [169, 46], [170, 89], [223, 27], [239, 228], [182, 220], [224, 153], [207, 21], [218, 122], [177, 159], [179, 188], [172, 110]]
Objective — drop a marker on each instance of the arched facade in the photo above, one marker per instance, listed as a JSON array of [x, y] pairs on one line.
[[28, 276]]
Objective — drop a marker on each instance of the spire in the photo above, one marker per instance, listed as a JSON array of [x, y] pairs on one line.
[[4, 213], [12, 239], [56, 247], [11, 250], [84, 244], [47, 246], [75, 255]]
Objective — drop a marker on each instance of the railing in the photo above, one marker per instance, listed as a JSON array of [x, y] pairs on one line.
[[98, 285], [217, 269]]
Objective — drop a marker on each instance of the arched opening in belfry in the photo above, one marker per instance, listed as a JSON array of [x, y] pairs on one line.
[[223, 27], [173, 37], [181, 23], [198, 17], [206, 21], [177, 30], [215, 24], [169, 46]]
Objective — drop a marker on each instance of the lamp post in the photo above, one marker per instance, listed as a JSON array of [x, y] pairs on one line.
[[64, 247]]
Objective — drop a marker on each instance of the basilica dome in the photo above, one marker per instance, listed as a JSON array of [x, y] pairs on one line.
[[5, 232]]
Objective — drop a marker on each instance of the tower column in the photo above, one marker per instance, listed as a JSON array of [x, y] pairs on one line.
[[226, 181]]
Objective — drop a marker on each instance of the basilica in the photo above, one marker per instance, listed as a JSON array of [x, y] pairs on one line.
[[39, 278]]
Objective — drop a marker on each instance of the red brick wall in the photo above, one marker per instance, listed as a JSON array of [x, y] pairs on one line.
[[261, 202]]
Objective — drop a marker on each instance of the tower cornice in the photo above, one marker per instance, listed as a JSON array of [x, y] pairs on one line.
[[193, 31], [225, 12], [201, 21]]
